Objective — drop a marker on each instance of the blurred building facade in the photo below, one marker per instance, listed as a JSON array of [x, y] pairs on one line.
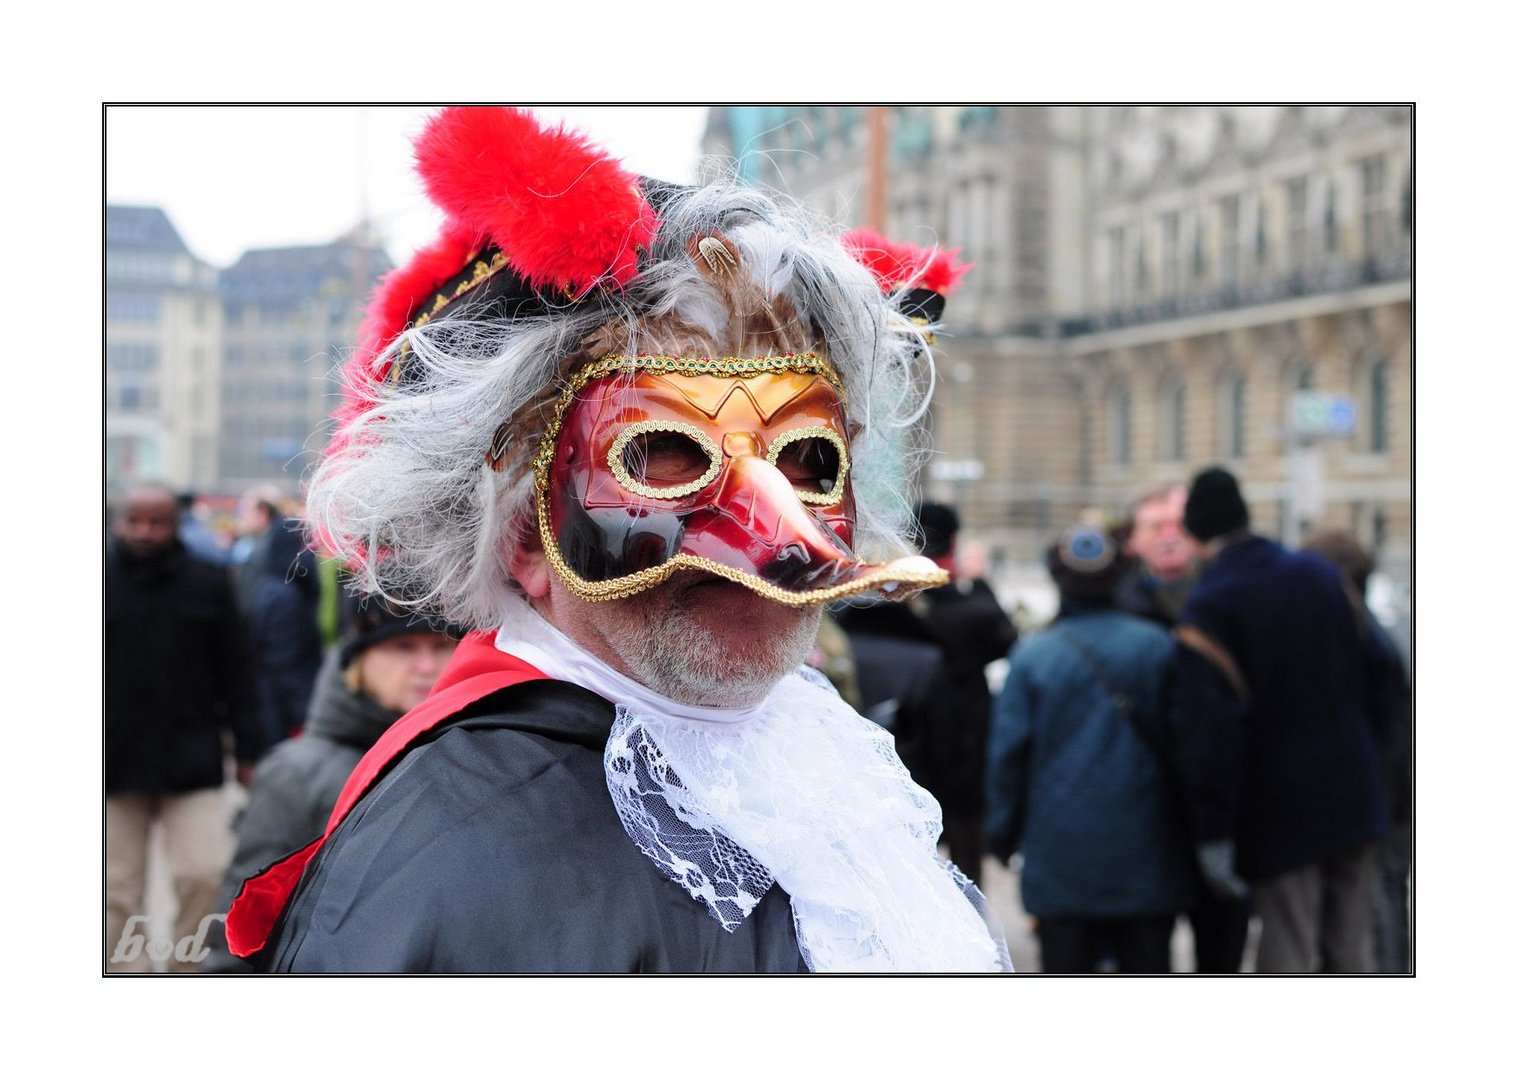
[[1153, 285], [162, 354], [289, 315], [217, 380]]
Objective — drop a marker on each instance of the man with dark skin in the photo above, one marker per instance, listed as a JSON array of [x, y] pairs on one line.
[[175, 680]]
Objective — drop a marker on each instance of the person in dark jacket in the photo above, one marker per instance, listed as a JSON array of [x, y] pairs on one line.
[[970, 626], [281, 593], [1167, 565], [1278, 744], [615, 425], [904, 685], [1390, 704], [1075, 777], [176, 682], [385, 666]]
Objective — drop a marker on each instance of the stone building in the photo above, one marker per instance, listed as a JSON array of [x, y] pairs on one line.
[[217, 380], [162, 364], [290, 316], [1153, 287]]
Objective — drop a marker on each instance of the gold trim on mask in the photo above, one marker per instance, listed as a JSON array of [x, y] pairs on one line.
[[624, 477], [815, 498], [731, 367], [631, 584]]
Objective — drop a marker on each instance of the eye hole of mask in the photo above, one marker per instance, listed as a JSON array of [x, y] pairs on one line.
[[814, 464], [664, 463]]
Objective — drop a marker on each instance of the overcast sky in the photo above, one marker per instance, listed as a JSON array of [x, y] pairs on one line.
[[238, 177]]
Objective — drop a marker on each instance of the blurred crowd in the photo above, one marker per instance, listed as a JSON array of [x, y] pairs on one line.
[[238, 673], [1211, 729]]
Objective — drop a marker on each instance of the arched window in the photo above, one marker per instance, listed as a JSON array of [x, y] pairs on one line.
[[1231, 410], [1119, 423], [1173, 419]]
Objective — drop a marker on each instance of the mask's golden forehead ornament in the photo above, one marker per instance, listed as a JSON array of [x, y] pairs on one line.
[[736, 466]]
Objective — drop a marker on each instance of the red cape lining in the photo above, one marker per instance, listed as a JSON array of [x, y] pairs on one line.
[[477, 670]]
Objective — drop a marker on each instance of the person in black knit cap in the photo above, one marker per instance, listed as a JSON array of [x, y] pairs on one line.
[[1277, 738], [385, 665]]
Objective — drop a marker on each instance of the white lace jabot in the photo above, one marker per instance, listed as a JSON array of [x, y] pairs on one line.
[[800, 790]]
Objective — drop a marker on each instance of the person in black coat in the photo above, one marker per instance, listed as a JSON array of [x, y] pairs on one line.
[[176, 681], [385, 666], [1278, 743], [970, 626], [904, 685], [1390, 704]]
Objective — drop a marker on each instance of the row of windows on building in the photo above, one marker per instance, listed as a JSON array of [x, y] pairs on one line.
[[315, 312], [146, 309], [131, 392], [132, 396], [1233, 430], [132, 308], [1238, 238], [124, 356], [148, 267], [270, 356]]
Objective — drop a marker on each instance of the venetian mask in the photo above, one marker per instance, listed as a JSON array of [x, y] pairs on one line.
[[736, 467]]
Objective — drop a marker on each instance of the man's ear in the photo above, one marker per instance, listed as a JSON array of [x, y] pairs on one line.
[[529, 565]]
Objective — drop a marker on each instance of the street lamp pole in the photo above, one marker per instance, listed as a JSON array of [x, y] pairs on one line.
[[875, 212]]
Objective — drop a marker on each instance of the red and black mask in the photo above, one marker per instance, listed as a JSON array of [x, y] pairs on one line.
[[736, 467]]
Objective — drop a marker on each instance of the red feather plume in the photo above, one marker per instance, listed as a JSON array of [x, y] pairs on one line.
[[897, 266], [565, 214]]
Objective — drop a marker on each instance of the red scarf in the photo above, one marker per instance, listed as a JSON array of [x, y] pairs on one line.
[[477, 670]]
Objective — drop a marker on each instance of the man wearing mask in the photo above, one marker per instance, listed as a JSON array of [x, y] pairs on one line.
[[637, 434]]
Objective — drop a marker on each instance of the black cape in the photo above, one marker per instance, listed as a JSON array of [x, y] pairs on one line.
[[495, 847]]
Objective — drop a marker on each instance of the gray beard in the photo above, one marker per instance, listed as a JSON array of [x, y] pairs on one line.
[[673, 654]]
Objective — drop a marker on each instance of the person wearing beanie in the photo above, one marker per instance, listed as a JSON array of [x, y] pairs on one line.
[[1280, 765], [637, 434], [1215, 506], [1075, 780], [385, 665]]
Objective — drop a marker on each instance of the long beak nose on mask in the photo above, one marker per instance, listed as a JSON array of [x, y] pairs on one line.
[[758, 524]]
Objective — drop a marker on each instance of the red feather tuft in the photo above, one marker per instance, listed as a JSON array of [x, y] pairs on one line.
[[566, 215], [905, 266]]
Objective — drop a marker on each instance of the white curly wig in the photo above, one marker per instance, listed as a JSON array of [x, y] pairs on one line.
[[407, 496]]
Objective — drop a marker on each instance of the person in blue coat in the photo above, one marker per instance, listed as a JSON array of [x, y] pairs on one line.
[[1278, 737], [1075, 778]]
